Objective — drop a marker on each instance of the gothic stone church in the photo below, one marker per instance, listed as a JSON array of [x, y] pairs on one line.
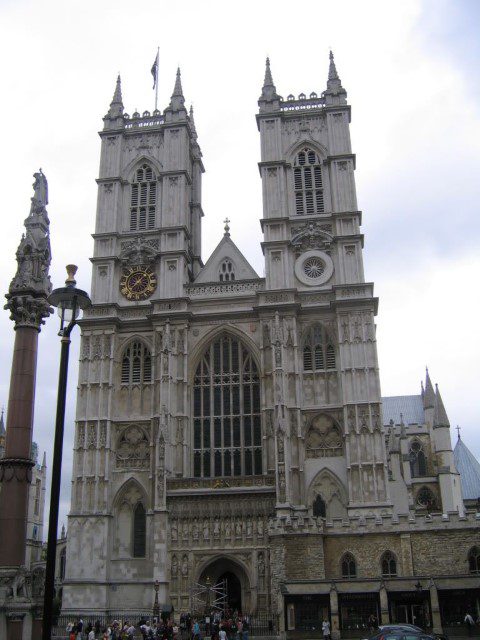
[[230, 425]]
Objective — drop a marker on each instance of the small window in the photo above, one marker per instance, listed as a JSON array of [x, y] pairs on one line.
[[349, 566], [389, 564], [139, 531], [308, 184], [136, 364], [143, 199], [474, 560], [226, 273], [319, 507]]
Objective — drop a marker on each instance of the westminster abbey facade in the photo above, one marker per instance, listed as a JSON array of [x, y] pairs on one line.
[[231, 426]]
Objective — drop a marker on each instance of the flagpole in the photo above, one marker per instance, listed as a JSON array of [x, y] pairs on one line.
[[156, 80]]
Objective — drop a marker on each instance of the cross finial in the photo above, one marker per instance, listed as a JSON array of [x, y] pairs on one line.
[[227, 227], [458, 430]]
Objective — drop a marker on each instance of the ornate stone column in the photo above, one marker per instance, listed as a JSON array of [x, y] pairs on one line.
[[28, 306]]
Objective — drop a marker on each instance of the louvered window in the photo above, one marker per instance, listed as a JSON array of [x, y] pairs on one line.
[[136, 364], [308, 183], [227, 434], [139, 531], [318, 351], [143, 199]]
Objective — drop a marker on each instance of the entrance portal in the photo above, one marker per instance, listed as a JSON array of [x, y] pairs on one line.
[[237, 582], [234, 590]]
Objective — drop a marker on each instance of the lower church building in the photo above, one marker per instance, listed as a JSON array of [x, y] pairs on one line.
[[231, 426]]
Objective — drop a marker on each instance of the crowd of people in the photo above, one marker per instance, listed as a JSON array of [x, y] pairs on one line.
[[219, 625]]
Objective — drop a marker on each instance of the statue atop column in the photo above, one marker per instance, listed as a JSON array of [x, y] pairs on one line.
[[30, 287]]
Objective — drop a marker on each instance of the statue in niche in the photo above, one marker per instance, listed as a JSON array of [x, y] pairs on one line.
[[260, 528], [238, 529], [195, 532], [261, 564], [174, 567], [185, 566], [206, 530], [228, 529], [174, 531], [249, 528], [216, 528]]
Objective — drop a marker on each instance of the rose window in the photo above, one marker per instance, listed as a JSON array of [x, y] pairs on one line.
[[313, 267]]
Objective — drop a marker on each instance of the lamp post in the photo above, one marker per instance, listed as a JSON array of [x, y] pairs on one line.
[[69, 302], [156, 607]]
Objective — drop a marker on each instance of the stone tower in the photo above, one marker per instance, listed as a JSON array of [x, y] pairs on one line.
[[313, 256]]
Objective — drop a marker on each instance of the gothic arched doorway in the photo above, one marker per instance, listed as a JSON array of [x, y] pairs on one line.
[[238, 582], [234, 590]]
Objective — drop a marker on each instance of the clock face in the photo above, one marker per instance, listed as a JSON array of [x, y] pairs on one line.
[[138, 282]]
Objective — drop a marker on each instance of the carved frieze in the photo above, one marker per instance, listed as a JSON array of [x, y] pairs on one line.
[[323, 438], [133, 450], [139, 250]]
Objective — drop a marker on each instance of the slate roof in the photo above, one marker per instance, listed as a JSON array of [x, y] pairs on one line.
[[469, 469], [411, 407]]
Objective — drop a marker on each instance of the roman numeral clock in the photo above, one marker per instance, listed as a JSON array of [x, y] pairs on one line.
[[138, 282]]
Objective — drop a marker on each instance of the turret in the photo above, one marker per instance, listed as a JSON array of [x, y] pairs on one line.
[[335, 94], [269, 100], [114, 117], [176, 109]]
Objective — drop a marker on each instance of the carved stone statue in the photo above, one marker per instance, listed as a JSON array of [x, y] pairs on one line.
[[174, 567], [185, 566], [40, 188]]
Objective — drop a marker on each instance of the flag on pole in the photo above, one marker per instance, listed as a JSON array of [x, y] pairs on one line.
[[154, 71]]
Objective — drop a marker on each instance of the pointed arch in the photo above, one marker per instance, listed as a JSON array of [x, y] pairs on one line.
[[130, 523], [226, 429], [298, 145], [388, 564], [474, 560], [136, 362], [129, 169], [227, 329], [319, 353], [329, 487], [226, 270], [348, 566]]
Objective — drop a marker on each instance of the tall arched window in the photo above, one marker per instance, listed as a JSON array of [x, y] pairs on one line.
[[318, 351], [63, 560], [474, 560], [388, 564], [308, 184], [227, 434], [143, 199], [226, 272], [349, 566], [418, 460], [319, 507], [136, 364], [139, 531]]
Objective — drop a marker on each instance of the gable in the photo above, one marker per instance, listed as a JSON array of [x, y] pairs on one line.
[[226, 259]]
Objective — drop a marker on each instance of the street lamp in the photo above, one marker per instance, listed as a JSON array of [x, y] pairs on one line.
[[69, 301]]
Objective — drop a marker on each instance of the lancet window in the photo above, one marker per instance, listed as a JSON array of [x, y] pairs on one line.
[[418, 460], [143, 199], [319, 507], [308, 183], [136, 364], [226, 272], [139, 531], [349, 566], [474, 560], [388, 564], [318, 351], [227, 435]]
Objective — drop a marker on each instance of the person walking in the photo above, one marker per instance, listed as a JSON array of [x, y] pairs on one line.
[[326, 629], [470, 623]]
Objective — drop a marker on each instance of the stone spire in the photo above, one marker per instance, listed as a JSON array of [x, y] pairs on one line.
[[269, 100], [192, 123], [269, 91], [30, 286], [116, 105], [429, 393], [440, 415], [177, 101], [335, 93]]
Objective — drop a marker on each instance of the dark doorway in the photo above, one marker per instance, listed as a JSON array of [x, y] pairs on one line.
[[234, 590]]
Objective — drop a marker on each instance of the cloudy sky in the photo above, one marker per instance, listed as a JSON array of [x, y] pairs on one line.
[[411, 72]]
